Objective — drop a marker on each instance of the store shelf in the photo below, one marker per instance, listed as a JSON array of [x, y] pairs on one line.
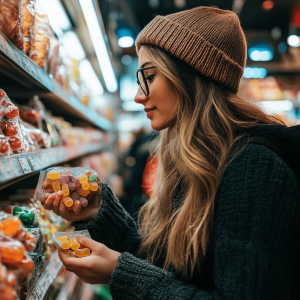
[[46, 280], [32, 79], [15, 166]]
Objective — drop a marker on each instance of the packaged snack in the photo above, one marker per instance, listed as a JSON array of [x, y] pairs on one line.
[[75, 183], [41, 37], [10, 19], [69, 243], [8, 284], [27, 8], [53, 60]]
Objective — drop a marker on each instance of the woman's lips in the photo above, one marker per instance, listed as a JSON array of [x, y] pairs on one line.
[[150, 113]]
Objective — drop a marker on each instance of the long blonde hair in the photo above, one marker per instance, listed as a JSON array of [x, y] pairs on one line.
[[191, 154]]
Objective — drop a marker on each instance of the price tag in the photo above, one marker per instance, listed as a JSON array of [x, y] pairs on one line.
[[32, 163], [24, 165]]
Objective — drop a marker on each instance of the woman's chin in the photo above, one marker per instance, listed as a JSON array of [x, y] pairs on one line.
[[157, 126]]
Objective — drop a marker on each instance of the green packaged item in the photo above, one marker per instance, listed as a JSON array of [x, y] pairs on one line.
[[26, 216]]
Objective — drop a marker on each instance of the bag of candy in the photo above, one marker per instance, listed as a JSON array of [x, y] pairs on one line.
[[75, 183], [10, 19], [8, 283], [69, 243]]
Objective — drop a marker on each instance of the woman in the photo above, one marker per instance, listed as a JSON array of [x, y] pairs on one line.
[[222, 222]]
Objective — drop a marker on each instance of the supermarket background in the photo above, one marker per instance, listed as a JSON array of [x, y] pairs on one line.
[[67, 83]]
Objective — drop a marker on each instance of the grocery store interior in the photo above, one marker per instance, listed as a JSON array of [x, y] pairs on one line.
[[67, 87]]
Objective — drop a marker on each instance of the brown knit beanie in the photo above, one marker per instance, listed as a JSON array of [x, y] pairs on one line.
[[209, 39]]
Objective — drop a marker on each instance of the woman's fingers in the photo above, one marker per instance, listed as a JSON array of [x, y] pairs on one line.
[[56, 202], [77, 207], [44, 198], [48, 203]]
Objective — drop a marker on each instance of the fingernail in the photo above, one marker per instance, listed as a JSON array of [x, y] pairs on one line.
[[59, 193]]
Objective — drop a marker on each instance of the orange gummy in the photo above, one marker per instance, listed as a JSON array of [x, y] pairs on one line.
[[11, 279], [65, 189], [12, 252], [10, 226], [48, 180], [62, 238], [82, 252], [88, 174], [26, 266], [53, 175], [82, 192], [74, 244], [66, 244], [94, 186], [68, 202], [8, 293], [82, 178], [56, 186], [85, 186]]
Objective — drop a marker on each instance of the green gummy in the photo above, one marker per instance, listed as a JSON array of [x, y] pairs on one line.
[[27, 217], [93, 178], [17, 211]]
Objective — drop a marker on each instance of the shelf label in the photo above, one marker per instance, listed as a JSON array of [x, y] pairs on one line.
[[32, 162], [24, 165]]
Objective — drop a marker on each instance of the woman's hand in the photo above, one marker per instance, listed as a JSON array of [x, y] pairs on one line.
[[54, 202], [94, 269]]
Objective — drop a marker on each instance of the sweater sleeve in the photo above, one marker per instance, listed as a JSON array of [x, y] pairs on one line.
[[248, 244], [113, 226]]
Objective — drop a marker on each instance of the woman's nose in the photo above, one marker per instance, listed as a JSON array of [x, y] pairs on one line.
[[140, 96]]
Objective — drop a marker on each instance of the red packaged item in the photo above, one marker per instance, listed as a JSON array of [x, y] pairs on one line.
[[4, 146], [8, 284], [10, 20]]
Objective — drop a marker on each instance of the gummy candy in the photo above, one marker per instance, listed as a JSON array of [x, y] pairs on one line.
[[11, 252], [83, 202], [8, 293], [94, 186], [9, 128], [63, 179], [53, 175], [85, 185], [13, 113], [26, 266], [65, 190], [15, 143], [75, 181], [93, 178], [68, 202], [71, 186], [30, 242], [4, 146], [48, 180], [66, 244], [66, 173], [10, 226], [75, 196], [82, 178], [11, 279], [82, 252], [82, 192], [2, 94], [62, 238], [56, 186], [88, 174], [74, 244]]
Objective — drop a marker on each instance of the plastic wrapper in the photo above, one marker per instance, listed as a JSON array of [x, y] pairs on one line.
[[8, 283], [68, 242], [53, 60], [77, 184], [10, 19], [27, 8], [31, 116], [41, 38], [10, 127]]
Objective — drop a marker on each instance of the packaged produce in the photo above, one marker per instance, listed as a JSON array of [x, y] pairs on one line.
[[41, 38], [10, 127], [69, 243], [10, 20], [27, 8], [75, 183]]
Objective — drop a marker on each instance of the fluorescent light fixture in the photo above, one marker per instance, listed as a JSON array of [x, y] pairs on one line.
[[276, 106], [255, 73], [93, 25], [90, 78], [132, 106], [258, 55], [58, 18], [126, 42], [72, 45], [293, 41]]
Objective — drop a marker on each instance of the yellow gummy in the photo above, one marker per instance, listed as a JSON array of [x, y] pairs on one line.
[[88, 174], [85, 185], [56, 186], [82, 252], [82, 192], [74, 244], [62, 238], [94, 186], [53, 175], [65, 189], [68, 202], [66, 244], [82, 178]]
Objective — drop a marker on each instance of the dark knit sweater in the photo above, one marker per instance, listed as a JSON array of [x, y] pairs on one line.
[[254, 248]]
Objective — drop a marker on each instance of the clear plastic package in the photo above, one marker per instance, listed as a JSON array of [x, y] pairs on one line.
[[27, 8], [10, 19], [8, 283], [77, 184], [68, 242], [53, 60]]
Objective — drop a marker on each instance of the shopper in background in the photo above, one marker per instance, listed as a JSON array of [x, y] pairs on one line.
[[222, 222]]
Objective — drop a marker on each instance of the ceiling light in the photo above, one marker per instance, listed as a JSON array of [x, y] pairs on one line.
[[293, 40], [125, 38], [255, 73], [72, 45], [260, 50], [93, 25]]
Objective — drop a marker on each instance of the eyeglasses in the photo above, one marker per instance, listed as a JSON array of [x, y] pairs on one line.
[[142, 80]]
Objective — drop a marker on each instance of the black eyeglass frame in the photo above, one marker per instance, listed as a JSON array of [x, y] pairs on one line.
[[143, 75]]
